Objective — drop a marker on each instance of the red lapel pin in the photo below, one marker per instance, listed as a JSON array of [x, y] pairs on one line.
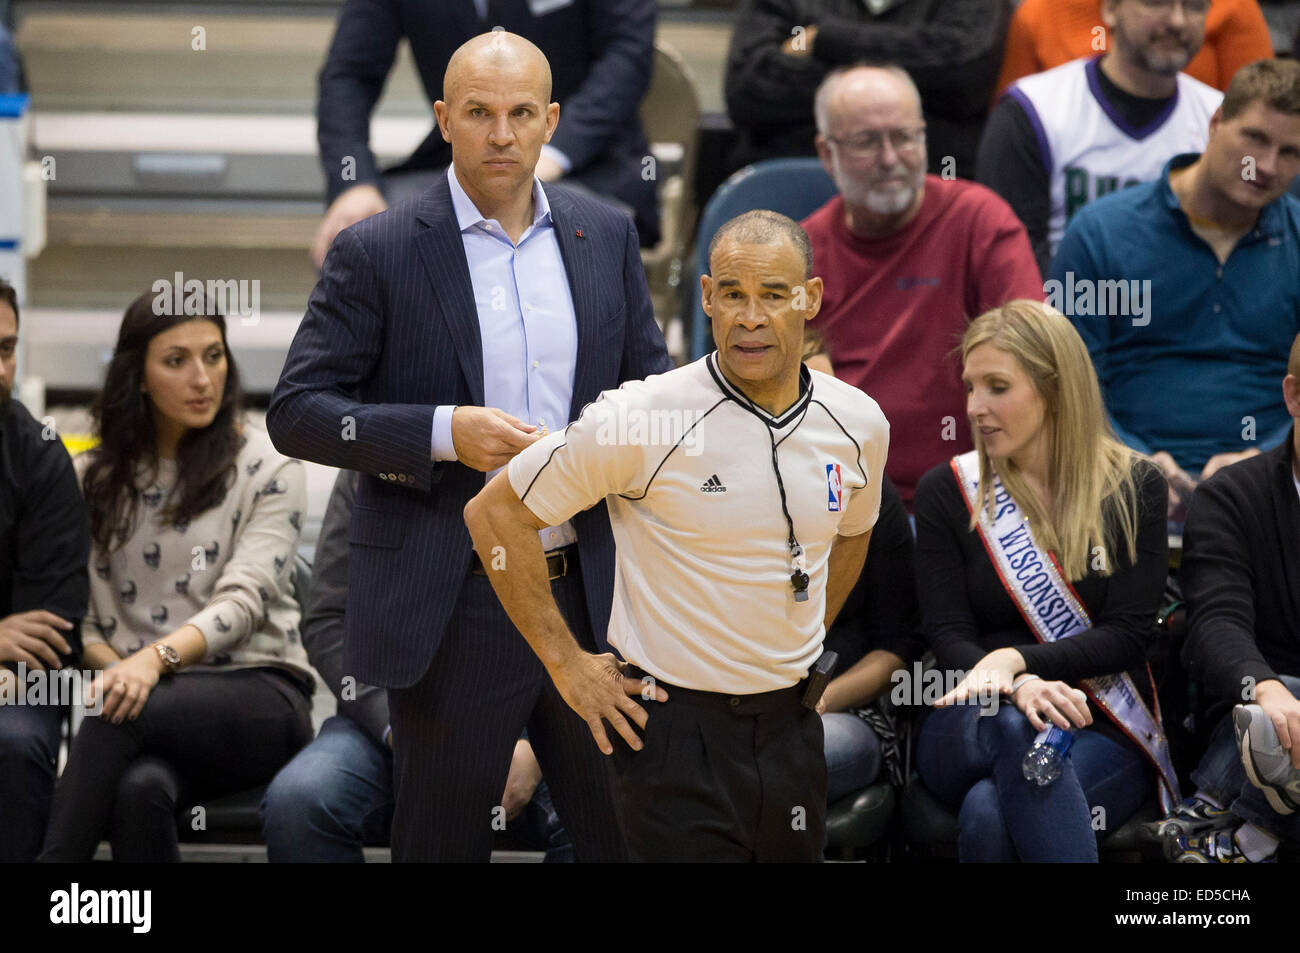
[[579, 233]]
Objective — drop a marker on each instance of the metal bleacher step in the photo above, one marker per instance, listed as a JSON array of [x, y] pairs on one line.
[[167, 158]]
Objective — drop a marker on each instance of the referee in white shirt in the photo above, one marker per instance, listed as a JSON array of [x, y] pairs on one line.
[[742, 491]]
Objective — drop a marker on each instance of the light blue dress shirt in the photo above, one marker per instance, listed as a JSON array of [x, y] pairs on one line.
[[526, 322]]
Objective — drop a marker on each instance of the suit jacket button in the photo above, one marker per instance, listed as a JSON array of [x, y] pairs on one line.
[[392, 476], [383, 476], [401, 478]]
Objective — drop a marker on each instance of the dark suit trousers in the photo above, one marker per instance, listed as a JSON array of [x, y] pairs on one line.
[[454, 731], [730, 778]]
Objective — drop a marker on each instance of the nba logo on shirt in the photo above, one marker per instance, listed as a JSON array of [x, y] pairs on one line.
[[834, 488]]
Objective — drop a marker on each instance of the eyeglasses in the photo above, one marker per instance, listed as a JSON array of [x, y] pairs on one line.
[[869, 144], [1198, 8]]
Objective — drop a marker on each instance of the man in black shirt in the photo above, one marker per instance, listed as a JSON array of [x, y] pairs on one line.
[[44, 551], [781, 50], [1058, 139], [1241, 576]]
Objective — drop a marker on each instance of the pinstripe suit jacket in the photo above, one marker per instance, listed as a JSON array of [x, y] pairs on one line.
[[391, 331]]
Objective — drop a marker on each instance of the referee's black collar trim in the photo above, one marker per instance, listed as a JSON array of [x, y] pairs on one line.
[[736, 394]]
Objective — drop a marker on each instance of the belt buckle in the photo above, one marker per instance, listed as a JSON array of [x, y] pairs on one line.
[[564, 567]]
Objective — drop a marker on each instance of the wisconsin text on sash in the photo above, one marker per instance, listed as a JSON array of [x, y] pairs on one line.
[[1022, 556]]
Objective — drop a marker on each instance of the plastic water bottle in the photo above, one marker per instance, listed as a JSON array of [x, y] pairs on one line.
[[1043, 762]]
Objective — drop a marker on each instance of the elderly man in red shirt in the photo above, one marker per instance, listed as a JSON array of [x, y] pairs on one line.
[[907, 259]]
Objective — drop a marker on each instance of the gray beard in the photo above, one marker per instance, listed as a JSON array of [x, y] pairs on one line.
[[889, 203]]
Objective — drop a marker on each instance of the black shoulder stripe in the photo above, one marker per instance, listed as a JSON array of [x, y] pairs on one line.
[[684, 435], [529, 488], [856, 446]]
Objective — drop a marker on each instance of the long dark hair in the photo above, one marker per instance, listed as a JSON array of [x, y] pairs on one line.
[[123, 422]]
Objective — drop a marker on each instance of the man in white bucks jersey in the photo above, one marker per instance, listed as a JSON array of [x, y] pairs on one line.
[[1061, 138], [742, 491]]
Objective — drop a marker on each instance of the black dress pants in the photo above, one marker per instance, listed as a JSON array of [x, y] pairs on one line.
[[724, 778], [454, 731], [200, 735]]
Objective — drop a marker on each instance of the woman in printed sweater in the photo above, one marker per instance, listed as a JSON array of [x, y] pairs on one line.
[[1041, 558], [193, 617]]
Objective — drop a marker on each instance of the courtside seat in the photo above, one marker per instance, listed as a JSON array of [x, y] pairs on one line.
[[859, 821], [1127, 843], [233, 819], [929, 828]]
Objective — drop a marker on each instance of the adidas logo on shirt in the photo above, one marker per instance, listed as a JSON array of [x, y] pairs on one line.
[[712, 485]]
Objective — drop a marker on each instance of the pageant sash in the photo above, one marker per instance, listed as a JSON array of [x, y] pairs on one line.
[[1054, 611]]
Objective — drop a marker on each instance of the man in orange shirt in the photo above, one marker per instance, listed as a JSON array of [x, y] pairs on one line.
[[1047, 33]]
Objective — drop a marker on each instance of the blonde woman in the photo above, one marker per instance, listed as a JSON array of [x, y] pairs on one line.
[[1041, 559]]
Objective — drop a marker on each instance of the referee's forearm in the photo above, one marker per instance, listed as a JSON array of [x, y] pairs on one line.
[[843, 567], [505, 537]]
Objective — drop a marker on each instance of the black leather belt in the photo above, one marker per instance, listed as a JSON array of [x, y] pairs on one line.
[[558, 562], [781, 699]]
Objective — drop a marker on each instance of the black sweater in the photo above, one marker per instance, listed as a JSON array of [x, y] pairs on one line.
[[44, 529], [881, 612], [951, 48], [967, 613], [1241, 574]]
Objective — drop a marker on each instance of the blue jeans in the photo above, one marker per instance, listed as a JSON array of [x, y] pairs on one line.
[[1221, 775], [333, 798], [8, 63], [29, 748], [336, 796], [852, 754], [972, 764]]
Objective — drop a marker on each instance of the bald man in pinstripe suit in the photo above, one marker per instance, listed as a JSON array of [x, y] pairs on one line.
[[444, 336]]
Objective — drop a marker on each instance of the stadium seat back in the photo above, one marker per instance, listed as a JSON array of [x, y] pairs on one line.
[[670, 116]]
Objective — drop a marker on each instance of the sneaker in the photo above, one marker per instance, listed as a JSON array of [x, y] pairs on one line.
[[1267, 763], [1216, 847], [1193, 816]]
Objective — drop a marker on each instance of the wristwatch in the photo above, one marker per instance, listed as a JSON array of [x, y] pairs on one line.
[[170, 658]]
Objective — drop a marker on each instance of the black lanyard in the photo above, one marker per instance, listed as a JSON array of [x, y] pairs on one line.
[[798, 566]]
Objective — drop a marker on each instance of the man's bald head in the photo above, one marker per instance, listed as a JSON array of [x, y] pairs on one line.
[[494, 51], [497, 115], [862, 84]]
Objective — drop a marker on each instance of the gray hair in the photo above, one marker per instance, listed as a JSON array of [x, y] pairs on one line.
[[821, 101], [765, 227]]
